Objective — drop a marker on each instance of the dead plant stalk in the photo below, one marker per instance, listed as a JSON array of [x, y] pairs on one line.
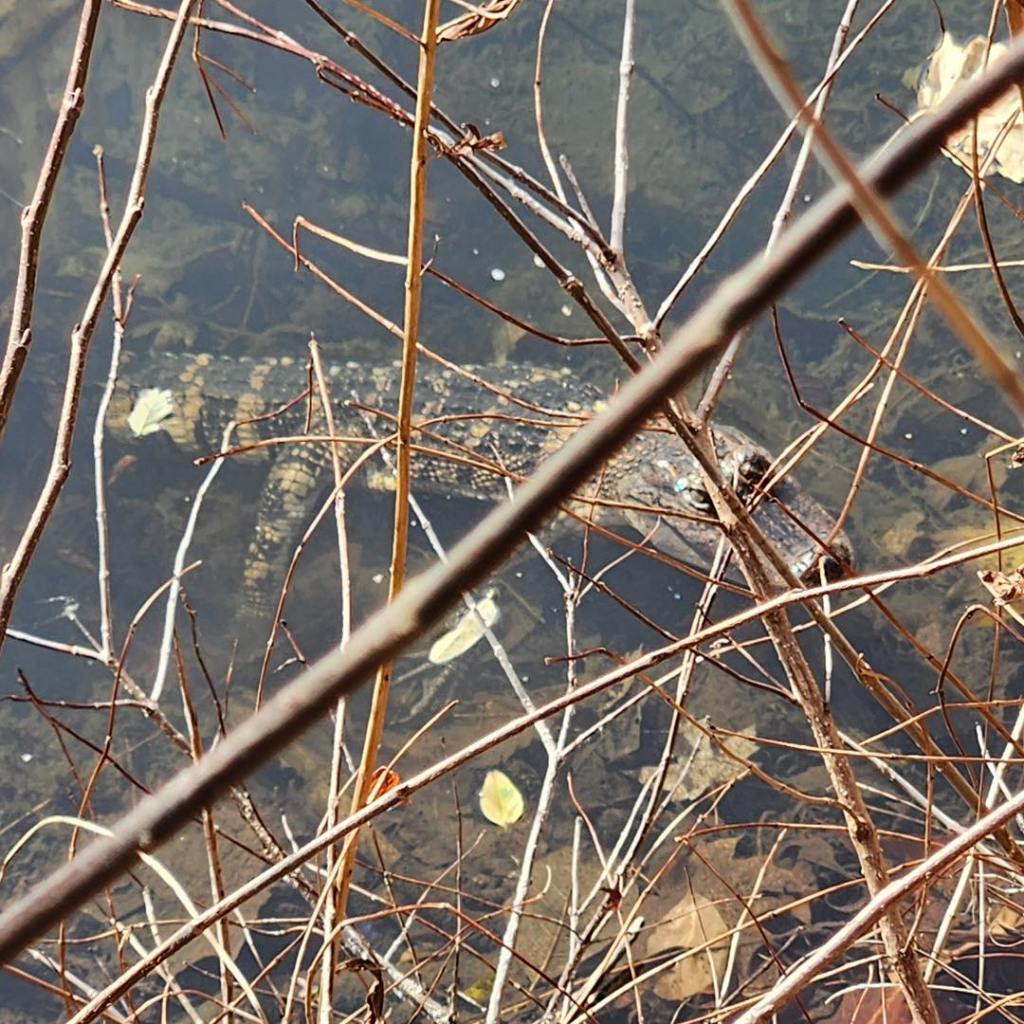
[[335, 782], [872, 208], [902, 963], [286, 865], [399, 548], [724, 365], [939, 862]]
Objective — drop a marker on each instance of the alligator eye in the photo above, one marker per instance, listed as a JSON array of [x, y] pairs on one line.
[[690, 490], [694, 495]]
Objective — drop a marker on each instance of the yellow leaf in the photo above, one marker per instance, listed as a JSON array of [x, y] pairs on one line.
[[466, 632], [152, 407], [500, 800], [479, 991]]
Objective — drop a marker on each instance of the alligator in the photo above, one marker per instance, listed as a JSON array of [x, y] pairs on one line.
[[472, 436]]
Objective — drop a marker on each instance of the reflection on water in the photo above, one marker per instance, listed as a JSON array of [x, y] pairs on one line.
[[211, 280]]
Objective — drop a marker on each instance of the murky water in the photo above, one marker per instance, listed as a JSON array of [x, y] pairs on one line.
[[212, 281]]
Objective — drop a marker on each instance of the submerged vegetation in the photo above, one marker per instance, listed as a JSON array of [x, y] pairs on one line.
[[584, 780]]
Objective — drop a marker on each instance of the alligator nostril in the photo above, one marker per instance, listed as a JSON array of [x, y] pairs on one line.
[[832, 569], [828, 566], [825, 568], [753, 468]]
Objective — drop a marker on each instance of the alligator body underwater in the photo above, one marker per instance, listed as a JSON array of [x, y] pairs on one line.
[[470, 438]]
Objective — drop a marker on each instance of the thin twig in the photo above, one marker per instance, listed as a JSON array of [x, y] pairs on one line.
[[873, 209], [33, 217], [334, 785], [883, 902], [785, 210], [616, 236]]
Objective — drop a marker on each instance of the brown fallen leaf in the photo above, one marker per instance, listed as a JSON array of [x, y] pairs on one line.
[[692, 906], [479, 18], [1003, 586], [384, 779], [1015, 17], [472, 141], [694, 921]]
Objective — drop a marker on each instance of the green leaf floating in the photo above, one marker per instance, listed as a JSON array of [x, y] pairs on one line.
[[152, 407], [500, 800], [466, 632]]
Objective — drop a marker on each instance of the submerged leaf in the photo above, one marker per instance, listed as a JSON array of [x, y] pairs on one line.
[[950, 65], [500, 800], [152, 407], [695, 922], [466, 632], [705, 766]]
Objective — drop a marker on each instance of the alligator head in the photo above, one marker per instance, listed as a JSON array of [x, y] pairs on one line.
[[658, 472]]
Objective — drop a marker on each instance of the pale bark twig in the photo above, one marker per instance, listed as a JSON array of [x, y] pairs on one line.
[[617, 234], [33, 216], [334, 785], [171, 605], [121, 308]]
